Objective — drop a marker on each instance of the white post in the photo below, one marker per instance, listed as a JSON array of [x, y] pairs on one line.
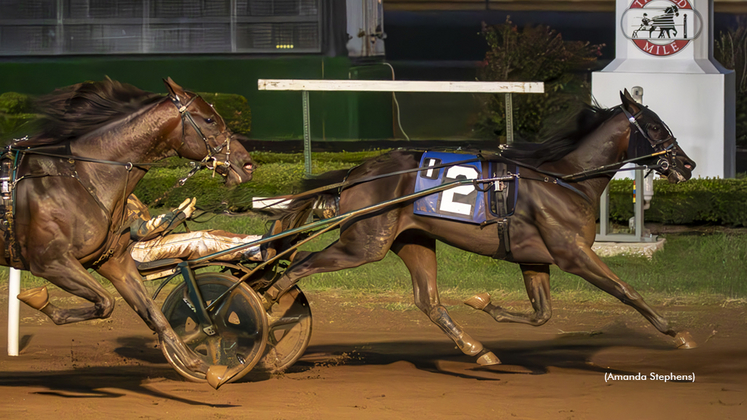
[[684, 84], [14, 308]]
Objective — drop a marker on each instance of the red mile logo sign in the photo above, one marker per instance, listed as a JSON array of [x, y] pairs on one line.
[[661, 27]]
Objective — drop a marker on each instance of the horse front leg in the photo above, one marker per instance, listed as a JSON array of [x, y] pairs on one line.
[[578, 258], [537, 283], [123, 274], [419, 255]]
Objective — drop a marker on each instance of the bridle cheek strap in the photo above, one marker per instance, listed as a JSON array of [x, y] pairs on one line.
[[656, 145], [210, 160]]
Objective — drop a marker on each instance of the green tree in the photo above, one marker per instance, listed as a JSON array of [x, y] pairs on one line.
[[534, 54]]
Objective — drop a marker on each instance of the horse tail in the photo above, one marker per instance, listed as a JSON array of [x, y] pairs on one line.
[[299, 209]]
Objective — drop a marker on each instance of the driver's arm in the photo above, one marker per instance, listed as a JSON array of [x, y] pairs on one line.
[[144, 227]]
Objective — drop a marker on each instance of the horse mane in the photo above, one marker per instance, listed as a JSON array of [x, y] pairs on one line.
[[558, 145], [73, 111]]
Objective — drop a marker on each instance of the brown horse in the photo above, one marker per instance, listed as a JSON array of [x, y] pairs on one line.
[[554, 221], [74, 176]]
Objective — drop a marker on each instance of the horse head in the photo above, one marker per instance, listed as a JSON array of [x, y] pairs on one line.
[[651, 136], [205, 137]]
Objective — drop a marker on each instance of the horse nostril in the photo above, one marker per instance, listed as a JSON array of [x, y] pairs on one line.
[[688, 166]]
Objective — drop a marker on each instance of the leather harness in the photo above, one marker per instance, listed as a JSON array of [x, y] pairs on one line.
[[12, 157]]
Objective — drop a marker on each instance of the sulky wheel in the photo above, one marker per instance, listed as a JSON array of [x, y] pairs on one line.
[[290, 331], [240, 323]]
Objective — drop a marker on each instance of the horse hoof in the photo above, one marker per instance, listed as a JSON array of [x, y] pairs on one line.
[[478, 302], [488, 359], [37, 298], [215, 375], [685, 341]]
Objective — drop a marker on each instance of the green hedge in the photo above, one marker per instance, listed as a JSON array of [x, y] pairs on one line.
[[15, 126], [15, 114], [276, 175], [716, 201], [15, 103], [698, 201]]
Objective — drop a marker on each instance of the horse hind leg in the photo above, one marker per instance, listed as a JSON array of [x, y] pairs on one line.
[[355, 247], [537, 282], [419, 255], [69, 275]]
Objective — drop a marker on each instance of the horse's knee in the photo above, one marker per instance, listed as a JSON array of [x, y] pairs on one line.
[[105, 311], [105, 307]]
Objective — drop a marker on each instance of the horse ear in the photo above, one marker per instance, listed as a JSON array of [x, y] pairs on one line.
[[174, 89], [628, 102]]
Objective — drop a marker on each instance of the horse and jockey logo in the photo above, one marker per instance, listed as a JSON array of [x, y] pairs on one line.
[[661, 27]]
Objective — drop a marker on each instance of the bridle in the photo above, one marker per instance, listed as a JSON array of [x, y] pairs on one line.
[[658, 145], [210, 160], [13, 154], [663, 152]]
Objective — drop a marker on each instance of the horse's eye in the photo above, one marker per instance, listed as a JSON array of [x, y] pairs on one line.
[[209, 120]]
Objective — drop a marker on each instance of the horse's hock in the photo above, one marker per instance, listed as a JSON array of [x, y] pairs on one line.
[[643, 249]]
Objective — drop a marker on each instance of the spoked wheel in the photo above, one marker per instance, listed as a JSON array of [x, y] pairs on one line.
[[240, 323], [290, 331]]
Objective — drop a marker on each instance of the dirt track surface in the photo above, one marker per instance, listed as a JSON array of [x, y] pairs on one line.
[[368, 362]]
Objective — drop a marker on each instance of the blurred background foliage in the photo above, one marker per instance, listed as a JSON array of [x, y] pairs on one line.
[[535, 53], [730, 49]]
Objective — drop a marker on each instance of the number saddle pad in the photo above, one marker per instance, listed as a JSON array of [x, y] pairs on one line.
[[465, 203]]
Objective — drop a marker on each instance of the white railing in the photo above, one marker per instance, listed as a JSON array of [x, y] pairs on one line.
[[305, 86]]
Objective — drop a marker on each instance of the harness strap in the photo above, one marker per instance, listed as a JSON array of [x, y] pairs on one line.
[[633, 119], [504, 249], [559, 179], [84, 159], [211, 151], [345, 183]]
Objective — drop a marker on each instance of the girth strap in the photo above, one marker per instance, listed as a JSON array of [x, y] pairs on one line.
[[504, 249]]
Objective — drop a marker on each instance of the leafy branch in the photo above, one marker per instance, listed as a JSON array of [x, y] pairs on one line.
[[534, 53]]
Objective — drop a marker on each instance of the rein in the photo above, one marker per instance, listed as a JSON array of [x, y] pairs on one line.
[[82, 158], [559, 179], [342, 184]]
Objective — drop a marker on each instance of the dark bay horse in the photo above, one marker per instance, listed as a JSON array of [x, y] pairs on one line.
[[73, 179], [552, 223]]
